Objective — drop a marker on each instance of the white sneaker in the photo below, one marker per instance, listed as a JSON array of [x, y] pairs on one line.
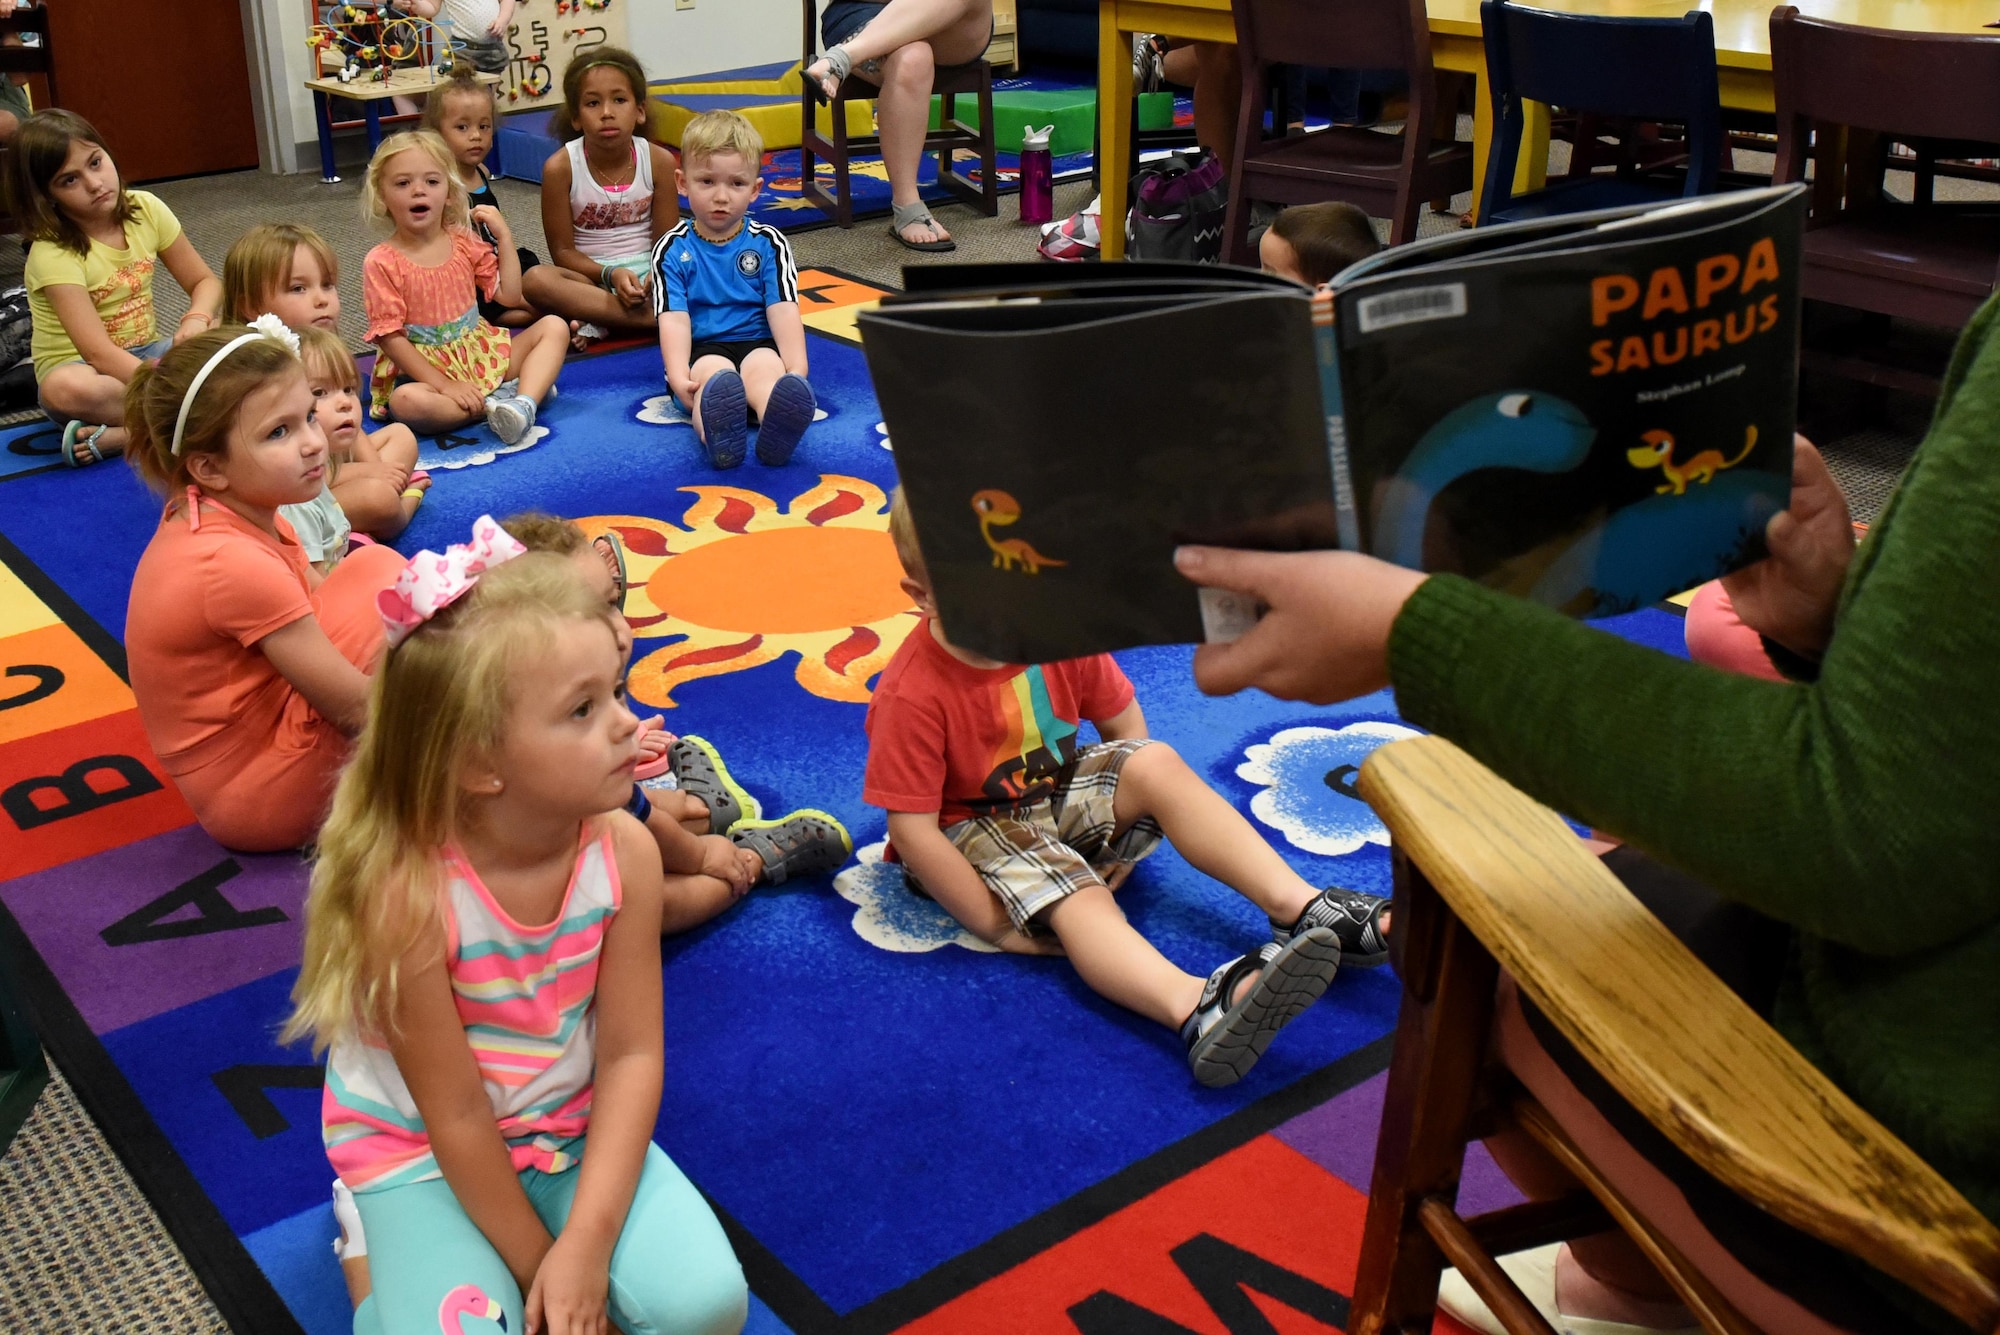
[[1534, 1273], [507, 418]]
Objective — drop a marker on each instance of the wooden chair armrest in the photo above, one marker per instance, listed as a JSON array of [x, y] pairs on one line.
[[1683, 1049]]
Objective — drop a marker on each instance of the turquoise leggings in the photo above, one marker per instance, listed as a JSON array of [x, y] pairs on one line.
[[672, 1272]]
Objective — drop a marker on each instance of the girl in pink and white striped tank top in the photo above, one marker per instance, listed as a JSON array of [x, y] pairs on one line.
[[483, 959], [525, 996]]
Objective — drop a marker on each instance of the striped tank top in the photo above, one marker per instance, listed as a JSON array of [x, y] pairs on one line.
[[527, 997], [613, 224]]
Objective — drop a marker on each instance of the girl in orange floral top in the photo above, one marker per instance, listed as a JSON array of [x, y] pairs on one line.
[[440, 365]]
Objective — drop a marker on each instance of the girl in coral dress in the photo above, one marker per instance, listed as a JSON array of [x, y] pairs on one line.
[[441, 365]]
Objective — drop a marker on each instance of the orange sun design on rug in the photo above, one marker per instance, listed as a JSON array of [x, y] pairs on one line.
[[741, 581]]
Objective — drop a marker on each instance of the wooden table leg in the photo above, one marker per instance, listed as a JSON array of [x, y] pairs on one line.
[[1482, 134], [323, 113], [1114, 129], [1532, 171], [371, 110]]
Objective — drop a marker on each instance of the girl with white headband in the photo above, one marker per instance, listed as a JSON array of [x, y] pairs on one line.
[[250, 669]]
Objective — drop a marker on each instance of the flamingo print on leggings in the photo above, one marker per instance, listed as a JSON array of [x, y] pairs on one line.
[[464, 1301]]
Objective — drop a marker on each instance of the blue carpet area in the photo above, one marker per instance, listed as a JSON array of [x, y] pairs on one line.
[[863, 1093]]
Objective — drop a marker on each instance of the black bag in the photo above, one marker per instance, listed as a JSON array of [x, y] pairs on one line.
[[17, 331], [1179, 204]]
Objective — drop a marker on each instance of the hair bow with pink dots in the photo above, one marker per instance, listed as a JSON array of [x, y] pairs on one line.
[[433, 581]]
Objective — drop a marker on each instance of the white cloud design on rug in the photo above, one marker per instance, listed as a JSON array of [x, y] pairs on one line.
[[666, 410], [434, 460], [1307, 776], [889, 917]]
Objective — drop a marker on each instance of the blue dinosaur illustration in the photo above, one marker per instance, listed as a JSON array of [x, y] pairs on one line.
[[1637, 555]]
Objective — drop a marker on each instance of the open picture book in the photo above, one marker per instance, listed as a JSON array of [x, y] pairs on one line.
[[1594, 411]]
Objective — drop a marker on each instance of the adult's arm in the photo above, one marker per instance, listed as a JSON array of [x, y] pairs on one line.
[[1826, 805]]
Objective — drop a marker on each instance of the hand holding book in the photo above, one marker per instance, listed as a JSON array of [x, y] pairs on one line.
[[1791, 595], [1325, 636]]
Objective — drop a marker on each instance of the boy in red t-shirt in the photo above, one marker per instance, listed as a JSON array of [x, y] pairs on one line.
[[999, 815]]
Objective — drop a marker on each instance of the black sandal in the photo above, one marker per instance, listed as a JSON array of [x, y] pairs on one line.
[[1354, 917]]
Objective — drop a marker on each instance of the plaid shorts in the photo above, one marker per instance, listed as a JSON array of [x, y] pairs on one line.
[[1036, 857]]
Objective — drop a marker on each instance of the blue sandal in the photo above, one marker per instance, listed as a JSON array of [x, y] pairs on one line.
[[787, 414], [725, 424], [79, 450]]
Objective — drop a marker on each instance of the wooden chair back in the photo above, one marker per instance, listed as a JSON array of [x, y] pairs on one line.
[[1907, 84], [1342, 162], [1487, 879], [23, 58], [1844, 93], [1340, 34], [1595, 65]]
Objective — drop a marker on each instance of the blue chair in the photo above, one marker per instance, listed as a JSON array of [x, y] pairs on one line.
[[1641, 69]]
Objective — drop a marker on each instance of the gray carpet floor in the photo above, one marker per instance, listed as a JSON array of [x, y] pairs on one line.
[[80, 1249]]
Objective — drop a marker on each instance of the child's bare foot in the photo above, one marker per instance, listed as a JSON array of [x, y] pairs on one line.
[[413, 494], [84, 443]]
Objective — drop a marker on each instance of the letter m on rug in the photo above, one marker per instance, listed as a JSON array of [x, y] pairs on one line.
[[1223, 1274]]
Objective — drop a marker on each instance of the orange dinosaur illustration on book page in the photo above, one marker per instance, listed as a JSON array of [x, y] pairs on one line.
[[997, 509], [1658, 452]]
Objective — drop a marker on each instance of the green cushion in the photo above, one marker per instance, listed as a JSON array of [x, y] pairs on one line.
[[1073, 111]]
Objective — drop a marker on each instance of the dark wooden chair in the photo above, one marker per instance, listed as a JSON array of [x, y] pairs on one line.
[[1843, 94], [1489, 880], [18, 56], [23, 1070], [1389, 174], [1597, 67], [951, 82]]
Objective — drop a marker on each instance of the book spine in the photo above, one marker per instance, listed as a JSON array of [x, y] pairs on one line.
[[1326, 344]]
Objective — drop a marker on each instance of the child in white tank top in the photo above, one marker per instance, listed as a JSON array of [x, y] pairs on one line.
[[601, 210]]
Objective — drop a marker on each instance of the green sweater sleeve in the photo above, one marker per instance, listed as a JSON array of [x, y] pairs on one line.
[[1860, 807]]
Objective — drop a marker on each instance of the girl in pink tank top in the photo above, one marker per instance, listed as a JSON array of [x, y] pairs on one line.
[[482, 959]]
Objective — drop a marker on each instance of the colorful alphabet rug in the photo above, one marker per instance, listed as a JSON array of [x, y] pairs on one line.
[[900, 1129]]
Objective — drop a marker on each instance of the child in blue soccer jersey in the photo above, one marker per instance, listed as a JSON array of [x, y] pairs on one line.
[[727, 294]]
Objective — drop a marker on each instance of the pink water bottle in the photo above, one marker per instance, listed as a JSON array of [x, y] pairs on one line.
[[1037, 175]]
